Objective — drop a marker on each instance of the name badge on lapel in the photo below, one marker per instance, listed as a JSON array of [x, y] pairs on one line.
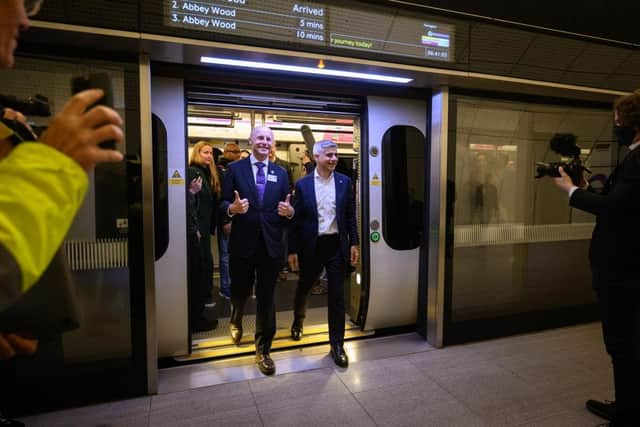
[[272, 178]]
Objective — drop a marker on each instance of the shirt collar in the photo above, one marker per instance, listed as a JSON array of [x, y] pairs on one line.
[[317, 175], [254, 160]]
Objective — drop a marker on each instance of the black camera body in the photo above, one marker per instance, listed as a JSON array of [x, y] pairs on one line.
[[565, 145]]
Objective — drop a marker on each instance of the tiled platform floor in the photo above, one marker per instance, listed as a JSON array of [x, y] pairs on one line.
[[539, 379]]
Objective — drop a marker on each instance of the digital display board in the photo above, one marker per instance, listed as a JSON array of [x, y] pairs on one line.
[[317, 24]]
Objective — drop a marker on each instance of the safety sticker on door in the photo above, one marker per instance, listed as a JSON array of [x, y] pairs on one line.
[[175, 178]]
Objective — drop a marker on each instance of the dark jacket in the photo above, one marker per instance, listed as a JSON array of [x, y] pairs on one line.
[[207, 200], [260, 218], [303, 233], [192, 215], [616, 236]]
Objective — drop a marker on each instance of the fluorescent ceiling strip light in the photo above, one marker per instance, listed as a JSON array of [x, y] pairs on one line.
[[299, 69]]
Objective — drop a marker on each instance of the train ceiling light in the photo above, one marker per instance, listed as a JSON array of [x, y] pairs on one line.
[[304, 70]]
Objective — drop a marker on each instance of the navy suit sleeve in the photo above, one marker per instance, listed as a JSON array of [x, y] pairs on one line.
[[228, 185], [625, 190]]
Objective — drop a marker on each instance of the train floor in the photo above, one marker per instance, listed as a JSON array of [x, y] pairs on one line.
[[537, 379], [217, 342]]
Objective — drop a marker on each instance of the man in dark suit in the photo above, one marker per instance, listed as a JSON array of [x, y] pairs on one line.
[[255, 195], [615, 266], [324, 235]]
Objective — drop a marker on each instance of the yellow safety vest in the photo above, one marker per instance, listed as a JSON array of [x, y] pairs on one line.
[[41, 190]]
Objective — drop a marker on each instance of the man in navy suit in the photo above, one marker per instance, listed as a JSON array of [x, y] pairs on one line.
[[614, 262], [255, 195], [324, 235]]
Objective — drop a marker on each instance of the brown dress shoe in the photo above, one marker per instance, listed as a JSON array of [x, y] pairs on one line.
[[236, 333], [265, 364]]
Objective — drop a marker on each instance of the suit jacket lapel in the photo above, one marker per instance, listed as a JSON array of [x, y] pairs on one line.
[[339, 181], [312, 196], [271, 170]]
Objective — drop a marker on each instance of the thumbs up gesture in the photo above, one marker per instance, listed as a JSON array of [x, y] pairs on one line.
[[285, 208], [239, 206]]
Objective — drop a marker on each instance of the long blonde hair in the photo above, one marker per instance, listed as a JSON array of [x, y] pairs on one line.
[[196, 159]]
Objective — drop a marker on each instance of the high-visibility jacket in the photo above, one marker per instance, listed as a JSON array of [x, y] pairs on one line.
[[41, 190]]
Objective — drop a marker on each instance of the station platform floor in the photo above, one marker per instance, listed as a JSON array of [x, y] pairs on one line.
[[537, 379]]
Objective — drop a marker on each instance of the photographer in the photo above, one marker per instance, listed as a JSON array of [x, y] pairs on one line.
[[614, 263], [43, 184]]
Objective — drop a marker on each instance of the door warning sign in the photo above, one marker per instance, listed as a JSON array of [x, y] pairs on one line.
[[176, 178]]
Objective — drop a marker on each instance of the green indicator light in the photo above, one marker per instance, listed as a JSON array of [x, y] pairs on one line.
[[375, 236]]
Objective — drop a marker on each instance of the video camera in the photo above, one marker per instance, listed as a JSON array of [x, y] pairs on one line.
[[565, 145], [36, 105]]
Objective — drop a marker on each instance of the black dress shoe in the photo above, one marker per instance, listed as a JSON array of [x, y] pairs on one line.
[[339, 356], [265, 364], [296, 332], [606, 409], [236, 333]]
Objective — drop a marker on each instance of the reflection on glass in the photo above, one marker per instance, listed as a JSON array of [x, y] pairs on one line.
[[96, 244], [518, 246]]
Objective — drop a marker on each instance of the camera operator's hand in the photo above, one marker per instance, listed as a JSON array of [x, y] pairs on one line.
[[564, 181], [77, 132]]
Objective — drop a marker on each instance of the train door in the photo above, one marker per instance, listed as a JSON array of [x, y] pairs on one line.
[[395, 188], [212, 117], [222, 117], [168, 109]]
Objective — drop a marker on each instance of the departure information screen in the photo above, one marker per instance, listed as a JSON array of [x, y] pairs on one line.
[[317, 24]]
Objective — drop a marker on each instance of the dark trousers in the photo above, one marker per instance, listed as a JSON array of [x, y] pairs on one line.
[[197, 291], [327, 255], [223, 252], [207, 265], [620, 311], [242, 278]]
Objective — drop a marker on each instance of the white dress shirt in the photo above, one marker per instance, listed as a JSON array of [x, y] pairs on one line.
[[254, 168], [325, 190]]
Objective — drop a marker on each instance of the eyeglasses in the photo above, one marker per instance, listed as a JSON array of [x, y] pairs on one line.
[[31, 7]]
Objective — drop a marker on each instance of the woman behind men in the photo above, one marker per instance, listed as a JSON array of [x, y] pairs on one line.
[[201, 165]]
